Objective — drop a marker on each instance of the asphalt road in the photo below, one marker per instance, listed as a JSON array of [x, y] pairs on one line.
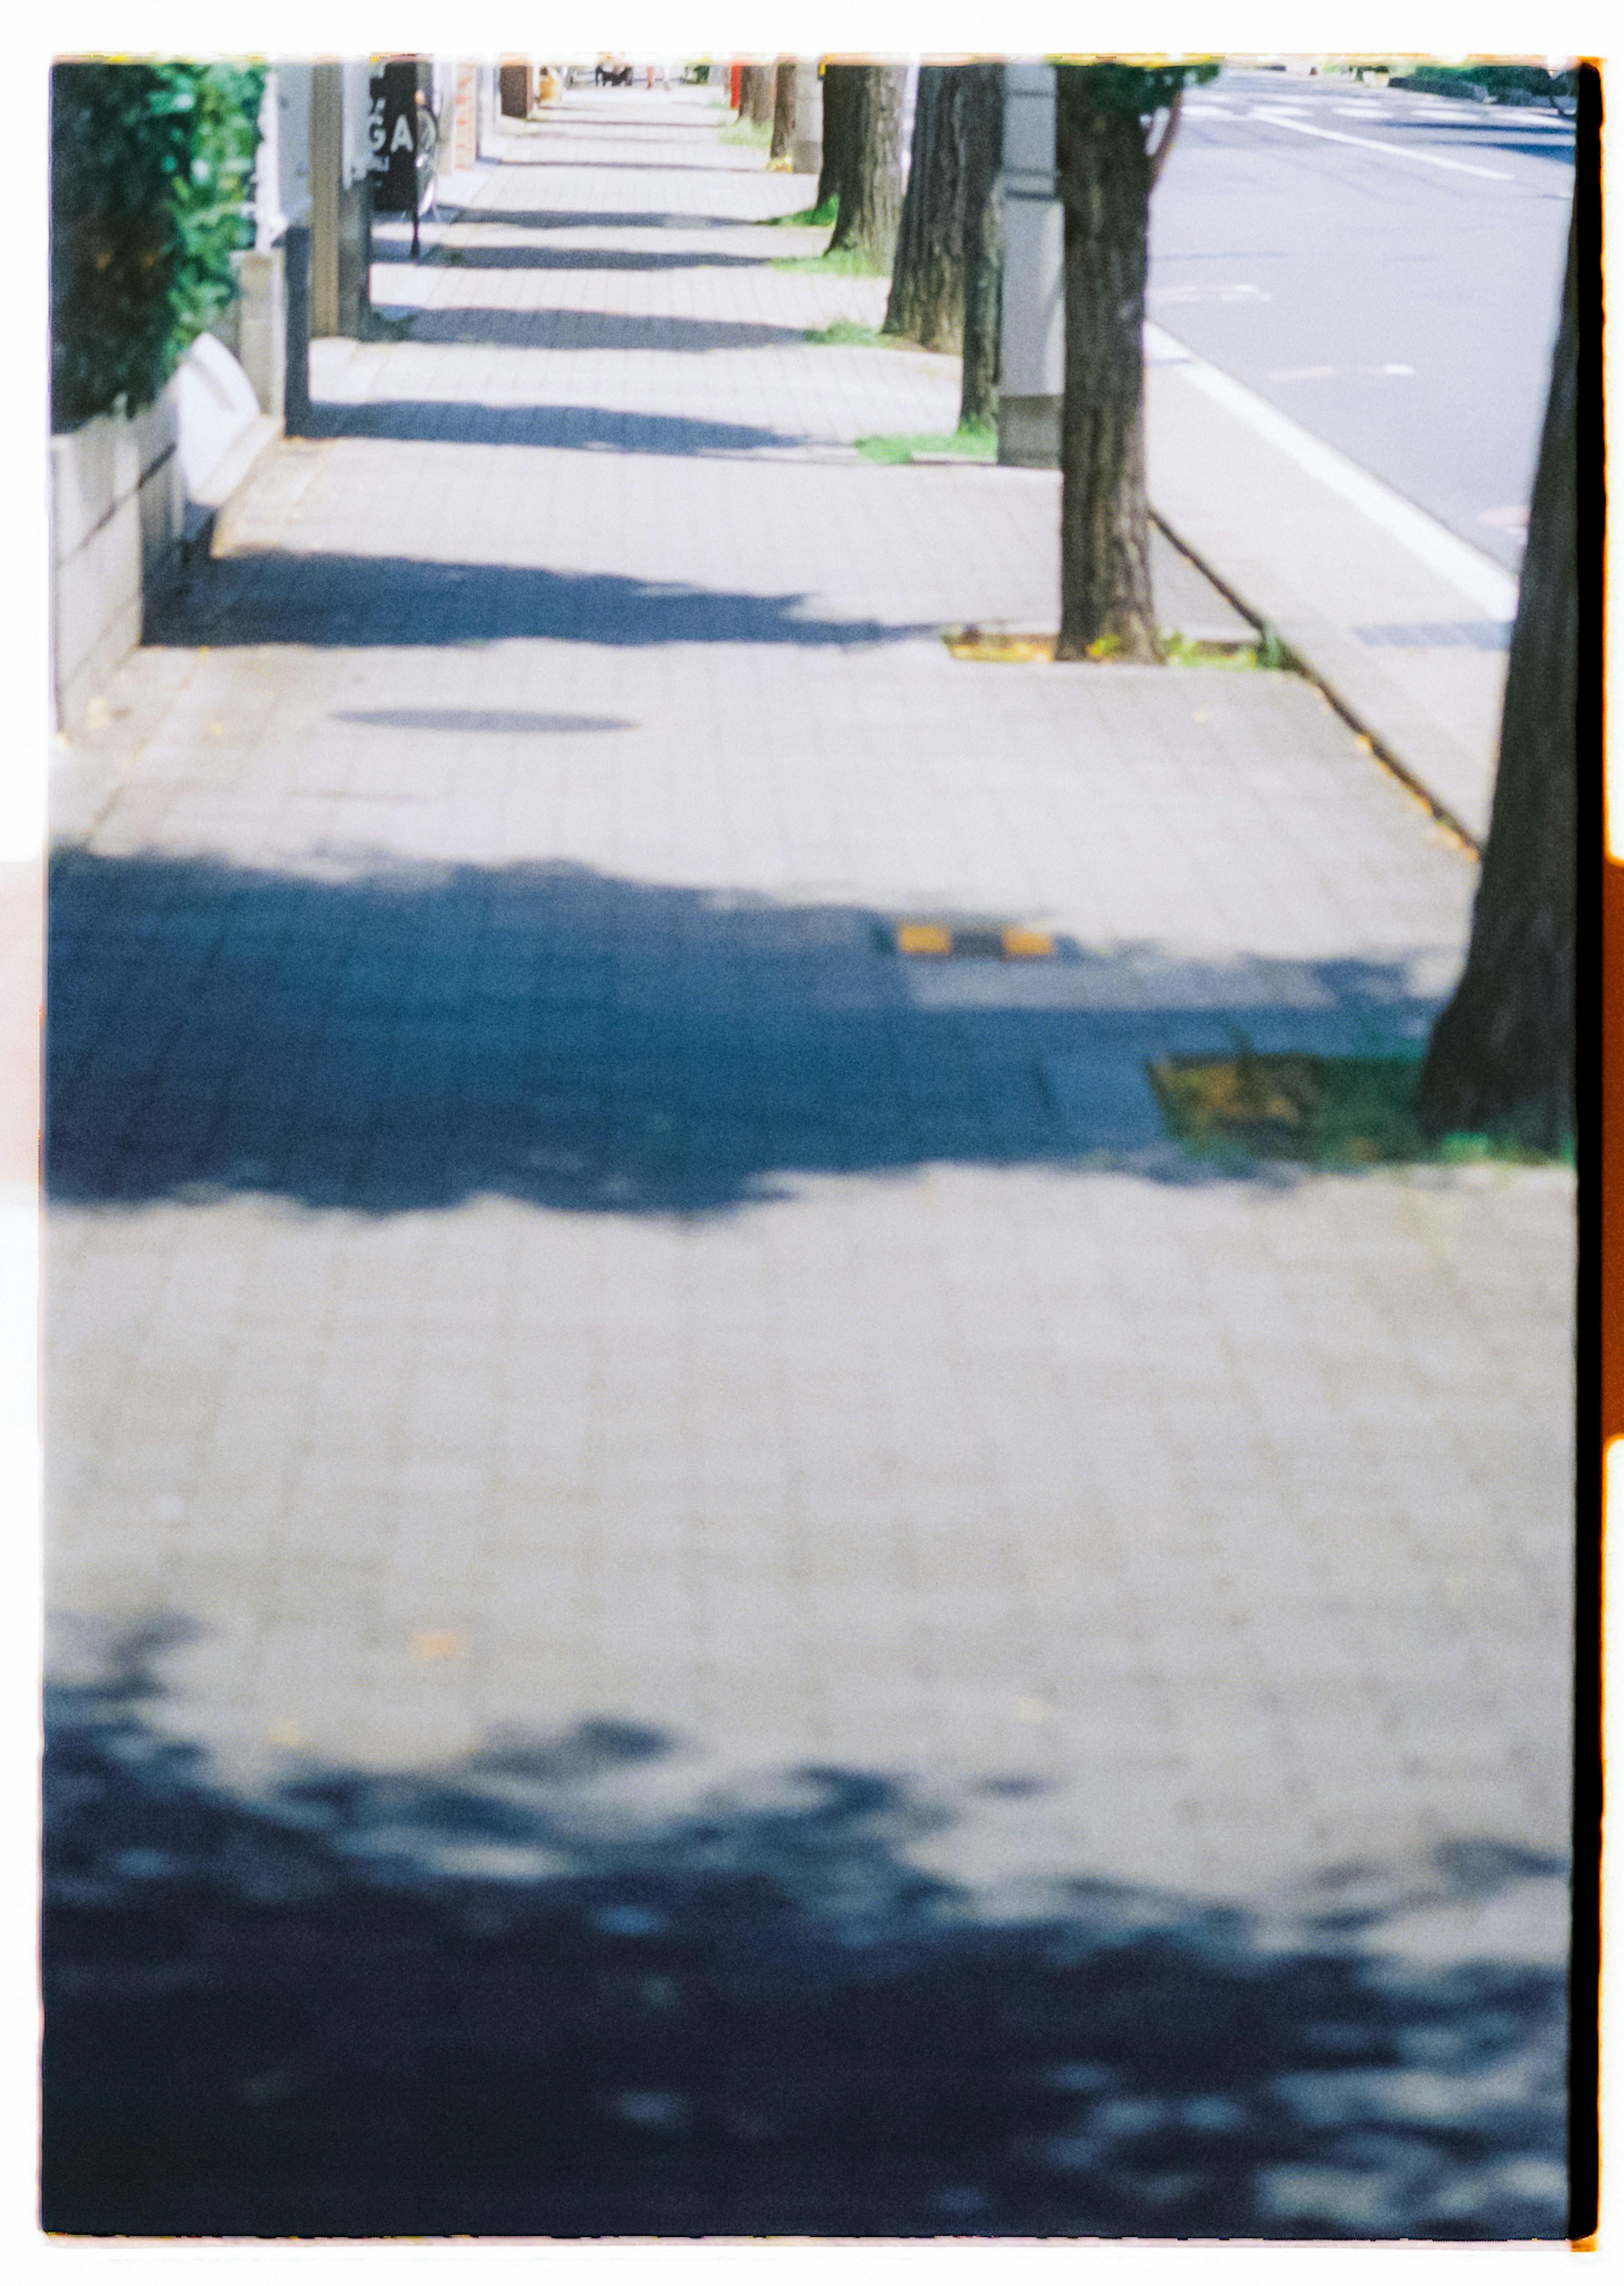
[[1384, 267]]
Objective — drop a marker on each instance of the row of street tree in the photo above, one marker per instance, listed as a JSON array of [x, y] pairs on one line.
[[151, 171], [1500, 1060]]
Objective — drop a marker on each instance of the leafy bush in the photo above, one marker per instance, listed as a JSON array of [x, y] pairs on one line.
[[1500, 83], [1139, 91], [152, 168]]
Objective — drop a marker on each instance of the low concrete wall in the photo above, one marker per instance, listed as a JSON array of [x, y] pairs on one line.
[[130, 500], [253, 325], [118, 519]]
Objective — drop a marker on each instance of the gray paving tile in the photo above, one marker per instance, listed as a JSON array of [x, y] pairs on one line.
[[503, 1193]]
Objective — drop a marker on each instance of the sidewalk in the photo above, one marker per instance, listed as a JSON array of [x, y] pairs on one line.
[[526, 1256]]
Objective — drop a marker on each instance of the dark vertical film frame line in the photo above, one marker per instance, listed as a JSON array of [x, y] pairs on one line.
[[1598, 1111]]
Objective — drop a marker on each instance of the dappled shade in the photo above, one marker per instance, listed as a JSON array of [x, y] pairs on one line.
[[459, 2001]]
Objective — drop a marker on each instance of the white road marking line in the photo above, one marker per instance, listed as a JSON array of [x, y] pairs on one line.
[[1476, 576], [1272, 118], [1336, 372], [1208, 294]]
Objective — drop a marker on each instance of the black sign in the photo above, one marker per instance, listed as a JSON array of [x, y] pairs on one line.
[[392, 137]]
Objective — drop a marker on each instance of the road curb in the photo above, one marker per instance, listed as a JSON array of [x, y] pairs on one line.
[[1301, 663], [1402, 626]]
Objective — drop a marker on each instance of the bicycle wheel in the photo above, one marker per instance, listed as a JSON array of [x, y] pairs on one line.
[[428, 146]]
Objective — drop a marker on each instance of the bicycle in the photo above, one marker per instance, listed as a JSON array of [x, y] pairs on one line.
[[425, 151]]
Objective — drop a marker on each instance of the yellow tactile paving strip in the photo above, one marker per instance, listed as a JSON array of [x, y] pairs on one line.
[[938, 940]]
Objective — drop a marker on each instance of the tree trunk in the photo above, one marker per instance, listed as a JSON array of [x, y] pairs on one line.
[[1500, 1060], [838, 91], [927, 278], [1103, 170], [945, 280], [982, 111], [755, 94], [870, 185], [784, 113]]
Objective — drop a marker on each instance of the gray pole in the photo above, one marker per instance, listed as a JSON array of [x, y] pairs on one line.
[[807, 156], [295, 252], [1032, 376]]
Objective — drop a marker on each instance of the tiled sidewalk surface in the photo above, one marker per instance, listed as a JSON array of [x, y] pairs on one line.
[[524, 1253]]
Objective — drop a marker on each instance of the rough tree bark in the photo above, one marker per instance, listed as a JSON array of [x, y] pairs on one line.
[[755, 94], [944, 281], [782, 149], [870, 185], [837, 119], [1103, 170], [926, 303], [983, 255], [1500, 1059]]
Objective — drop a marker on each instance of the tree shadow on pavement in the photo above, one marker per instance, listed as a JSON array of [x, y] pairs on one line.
[[596, 258], [277, 596], [598, 329], [561, 428], [592, 218], [494, 1999], [640, 166], [411, 1035]]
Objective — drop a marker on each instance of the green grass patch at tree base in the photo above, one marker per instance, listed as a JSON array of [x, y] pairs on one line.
[[1321, 1111], [824, 217], [756, 136], [1265, 655], [847, 262], [846, 333], [970, 442]]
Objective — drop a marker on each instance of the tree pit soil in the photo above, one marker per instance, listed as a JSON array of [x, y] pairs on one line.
[[1028, 646], [1324, 1111]]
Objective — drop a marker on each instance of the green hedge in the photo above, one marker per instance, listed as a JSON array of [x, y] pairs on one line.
[[1502, 82], [152, 168]]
